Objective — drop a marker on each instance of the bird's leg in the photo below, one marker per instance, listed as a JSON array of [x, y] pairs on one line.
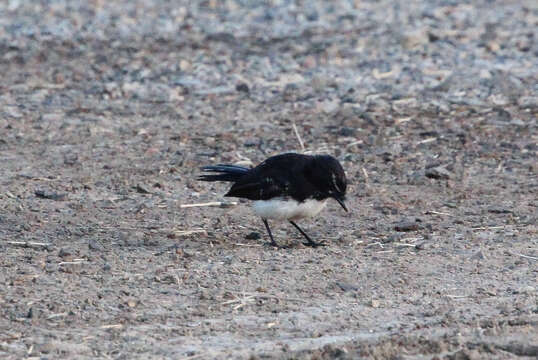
[[310, 241], [273, 242]]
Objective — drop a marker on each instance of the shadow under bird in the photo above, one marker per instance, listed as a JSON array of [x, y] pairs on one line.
[[285, 187]]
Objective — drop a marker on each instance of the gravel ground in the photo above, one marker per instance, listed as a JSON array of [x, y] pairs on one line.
[[108, 109]]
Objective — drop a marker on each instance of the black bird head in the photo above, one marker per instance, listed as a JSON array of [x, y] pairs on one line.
[[326, 173]]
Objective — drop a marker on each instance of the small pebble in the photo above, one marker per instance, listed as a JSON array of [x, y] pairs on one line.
[[94, 245], [423, 245], [438, 173], [64, 252], [242, 87], [253, 236], [406, 226], [51, 195]]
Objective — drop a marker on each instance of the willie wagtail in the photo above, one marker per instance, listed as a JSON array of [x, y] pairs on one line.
[[285, 187]]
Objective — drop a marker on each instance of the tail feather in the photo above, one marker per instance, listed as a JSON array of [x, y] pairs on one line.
[[225, 173]]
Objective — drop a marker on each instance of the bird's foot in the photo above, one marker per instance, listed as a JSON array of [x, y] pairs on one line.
[[314, 244]]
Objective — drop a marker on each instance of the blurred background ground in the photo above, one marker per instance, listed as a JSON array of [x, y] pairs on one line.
[[108, 109]]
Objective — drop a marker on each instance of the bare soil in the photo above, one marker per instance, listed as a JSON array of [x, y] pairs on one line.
[[101, 142]]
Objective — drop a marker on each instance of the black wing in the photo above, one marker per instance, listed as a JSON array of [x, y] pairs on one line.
[[278, 176]]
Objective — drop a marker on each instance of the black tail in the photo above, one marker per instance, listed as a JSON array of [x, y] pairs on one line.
[[225, 173]]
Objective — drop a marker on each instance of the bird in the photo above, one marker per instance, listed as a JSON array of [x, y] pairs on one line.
[[285, 187]]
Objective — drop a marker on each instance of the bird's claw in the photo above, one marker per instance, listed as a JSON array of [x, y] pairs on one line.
[[275, 245], [315, 244]]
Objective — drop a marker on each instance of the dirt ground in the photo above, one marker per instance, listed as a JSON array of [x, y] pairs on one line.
[[106, 117]]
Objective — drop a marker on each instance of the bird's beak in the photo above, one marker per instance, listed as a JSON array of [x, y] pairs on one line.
[[341, 202]]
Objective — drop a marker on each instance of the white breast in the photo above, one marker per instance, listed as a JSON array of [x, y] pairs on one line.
[[284, 209]]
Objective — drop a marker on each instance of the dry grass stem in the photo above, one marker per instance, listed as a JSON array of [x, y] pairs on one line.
[[365, 173], [433, 212], [403, 120], [488, 227], [74, 262], [425, 141], [411, 239], [112, 326], [525, 256], [243, 160], [28, 244], [56, 316], [301, 143], [356, 142], [251, 297], [188, 232], [376, 243], [213, 203]]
